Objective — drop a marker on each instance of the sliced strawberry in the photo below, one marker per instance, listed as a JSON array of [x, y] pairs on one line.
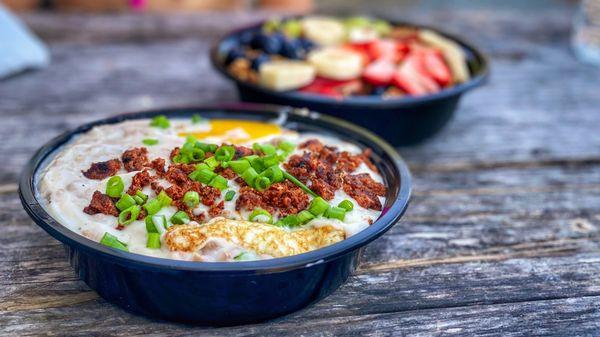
[[332, 88], [384, 48], [435, 66], [379, 72], [411, 77]]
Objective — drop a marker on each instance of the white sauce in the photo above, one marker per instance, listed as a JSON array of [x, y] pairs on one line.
[[67, 192]]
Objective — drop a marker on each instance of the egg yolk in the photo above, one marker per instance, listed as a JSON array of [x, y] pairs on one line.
[[237, 131]]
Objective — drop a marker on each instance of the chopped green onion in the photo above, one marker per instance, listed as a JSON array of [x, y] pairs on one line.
[[260, 215], [244, 256], [153, 241], [347, 205], [288, 221], [256, 162], [150, 141], [112, 241], [218, 182], [141, 195], [191, 199], [299, 184], [138, 200], [318, 206], [304, 216], [229, 195], [114, 187], [286, 146], [180, 218], [274, 173], [196, 118], [152, 223], [129, 215], [225, 153], [164, 198], [249, 176], [211, 162], [262, 183], [125, 202], [270, 160], [267, 149], [152, 206], [239, 166], [196, 155], [181, 159], [160, 121], [203, 175], [335, 213], [207, 147], [202, 166]]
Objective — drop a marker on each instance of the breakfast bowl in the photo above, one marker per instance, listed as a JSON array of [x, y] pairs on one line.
[[355, 80], [187, 286]]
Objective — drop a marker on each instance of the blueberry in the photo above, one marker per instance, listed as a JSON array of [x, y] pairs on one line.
[[234, 54], [378, 91], [246, 38], [292, 49], [260, 59], [307, 44], [268, 44]]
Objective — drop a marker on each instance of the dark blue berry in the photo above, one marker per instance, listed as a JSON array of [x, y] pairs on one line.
[[307, 44], [268, 44], [246, 38], [234, 54], [292, 49], [260, 59], [378, 91]]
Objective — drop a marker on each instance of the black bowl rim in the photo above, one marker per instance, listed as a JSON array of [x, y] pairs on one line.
[[366, 100], [27, 193]]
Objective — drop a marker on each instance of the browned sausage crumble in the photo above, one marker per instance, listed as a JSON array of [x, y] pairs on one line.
[[135, 159], [101, 203], [103, 169]]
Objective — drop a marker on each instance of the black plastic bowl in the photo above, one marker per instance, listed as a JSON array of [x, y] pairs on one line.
[[222, 293], [400, 121]]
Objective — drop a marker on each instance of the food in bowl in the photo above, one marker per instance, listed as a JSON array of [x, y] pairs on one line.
[[211, 190], [340, 57]]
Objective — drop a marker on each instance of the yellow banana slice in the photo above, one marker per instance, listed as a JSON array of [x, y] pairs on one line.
[[336, 63], [323, 30], [453, 53], [284, 75]]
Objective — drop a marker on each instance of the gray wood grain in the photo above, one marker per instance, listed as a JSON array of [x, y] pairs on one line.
[[502, 236]]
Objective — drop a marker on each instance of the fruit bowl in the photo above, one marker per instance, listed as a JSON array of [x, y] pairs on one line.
[[418, 112]]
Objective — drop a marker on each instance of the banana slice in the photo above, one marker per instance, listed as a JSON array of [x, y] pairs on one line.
[[453, 53], [336, 63], [284, 75], [323, 30]]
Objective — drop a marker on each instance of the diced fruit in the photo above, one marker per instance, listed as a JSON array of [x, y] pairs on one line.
[[270, 44], [336, 63], [323, 30], [384, 48], [292, 28], [246, 37], [260, 60], [307, 44], [332, 88], [434, 64], [292, 49], [453, 54], [362, 34], [409, 78], [234, 54], [379, 72], [286, 75]]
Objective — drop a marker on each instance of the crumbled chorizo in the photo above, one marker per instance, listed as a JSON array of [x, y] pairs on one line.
[[323, 189], [158, 165], [101, 203], [135, 159], [139, 181], [103, 169], [347, 162], [217, 209], [284, 198], [313, 145], [174, 153], [209, 194], [242, 151], [227, 173], [364, 190]]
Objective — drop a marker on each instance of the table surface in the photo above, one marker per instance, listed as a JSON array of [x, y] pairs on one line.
[[502, 235]]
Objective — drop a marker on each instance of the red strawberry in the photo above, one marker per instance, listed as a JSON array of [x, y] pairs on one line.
[[332, 88], [411, 78], [384, 48], [379, 72], [434, 64]]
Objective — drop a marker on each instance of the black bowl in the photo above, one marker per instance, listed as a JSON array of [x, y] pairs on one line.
[[221, 293], [400, 121]]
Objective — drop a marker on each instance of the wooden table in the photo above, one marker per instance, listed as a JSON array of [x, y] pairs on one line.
[[502, 236]]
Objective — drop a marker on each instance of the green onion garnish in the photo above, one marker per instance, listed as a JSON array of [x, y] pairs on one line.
[[304, 216], [212, 162], [196, 155], [125, 202], [164, 199], [335, 213], [288, 221], [229, 195], [180, 218], [152, 206], [347, 205], [150, 141], [267, 149], [270, 160], [129, 215], [318, 206], [243, 256], [160, 121], [191, 199], [218, 182], [260, 215], [262, 183], [299, 184], [239, 166], [249, 176], [112, 241], [142, 196], [274, 173], [256, 162], [286, 146], [114, 187], [153, 241], [202, 166], [202, 175], [225, 153], [153, 222], [207, 147], [196, 118]]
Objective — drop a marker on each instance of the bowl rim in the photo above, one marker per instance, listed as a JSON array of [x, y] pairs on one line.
[[28, 196], [363, 100]]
